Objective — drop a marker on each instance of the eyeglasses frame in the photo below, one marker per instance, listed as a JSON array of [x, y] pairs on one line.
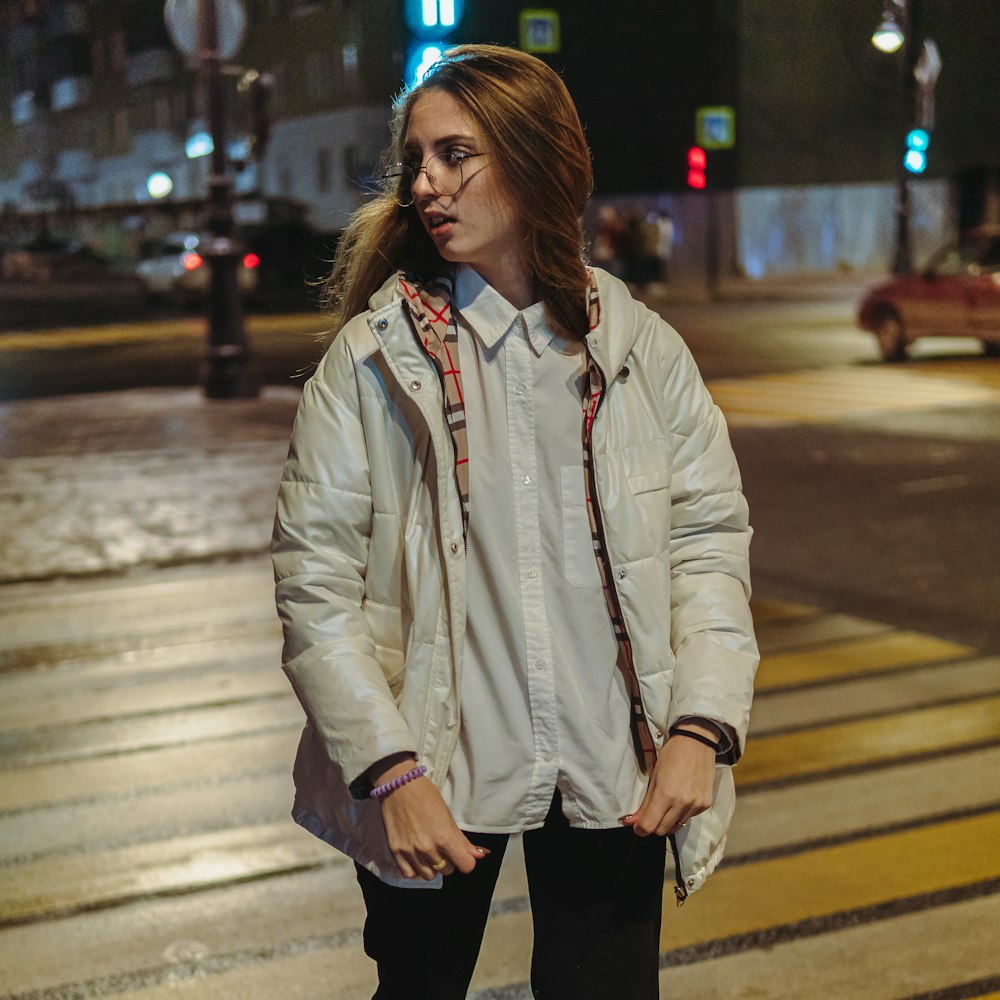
[[415, 171]]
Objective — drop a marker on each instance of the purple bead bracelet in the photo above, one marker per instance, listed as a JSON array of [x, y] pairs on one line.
[[380, 791]]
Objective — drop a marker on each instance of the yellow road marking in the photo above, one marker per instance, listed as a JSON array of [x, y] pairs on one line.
[[185, 863], [201, 861], [869, 741], [66, 781], [821, 394], [834, 879], [767, 609], [854, 657], [119, 703], [179, 328], [788, 890]]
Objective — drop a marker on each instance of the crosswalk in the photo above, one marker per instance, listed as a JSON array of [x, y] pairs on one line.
[[853, 391], [146, 852]]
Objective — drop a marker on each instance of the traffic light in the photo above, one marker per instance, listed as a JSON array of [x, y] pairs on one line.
[[915, 157], [697, 175], [430, 22]]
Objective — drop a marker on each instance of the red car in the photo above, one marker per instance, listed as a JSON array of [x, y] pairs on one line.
[[956, 295]]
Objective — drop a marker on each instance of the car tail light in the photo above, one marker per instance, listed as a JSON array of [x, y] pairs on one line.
[[191, 261], [251, 260]]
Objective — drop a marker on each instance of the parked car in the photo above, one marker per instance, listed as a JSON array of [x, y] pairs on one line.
[[175, 268], [47, 258], [956, 295]]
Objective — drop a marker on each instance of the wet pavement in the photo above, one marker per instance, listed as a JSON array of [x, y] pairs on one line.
[[147, 731], [111, 481]]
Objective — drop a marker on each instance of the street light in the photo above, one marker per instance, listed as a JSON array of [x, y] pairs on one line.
[[919, 68], [895, 33], [888, 36]]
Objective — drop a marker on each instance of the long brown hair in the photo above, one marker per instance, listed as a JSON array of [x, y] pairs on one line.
[[527, 117]]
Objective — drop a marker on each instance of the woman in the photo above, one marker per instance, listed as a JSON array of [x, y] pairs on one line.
[[511, 560]]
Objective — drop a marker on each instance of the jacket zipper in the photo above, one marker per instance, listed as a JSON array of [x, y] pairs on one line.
[[680, 891]]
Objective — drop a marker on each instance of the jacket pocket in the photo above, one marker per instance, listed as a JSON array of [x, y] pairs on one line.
[[647, 466], [579, 560], [389, 628]]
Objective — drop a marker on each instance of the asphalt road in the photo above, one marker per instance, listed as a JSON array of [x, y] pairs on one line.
[[147, 732], [875, 492]]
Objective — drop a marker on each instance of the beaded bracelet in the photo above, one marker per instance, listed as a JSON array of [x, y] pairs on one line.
[[380, 791]]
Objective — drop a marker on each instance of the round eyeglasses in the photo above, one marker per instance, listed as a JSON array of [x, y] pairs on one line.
[[444, 174]]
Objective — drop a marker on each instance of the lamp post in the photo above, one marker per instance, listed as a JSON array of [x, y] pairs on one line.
[[896, 34], [226, 369], [209, 32], [919, 67]]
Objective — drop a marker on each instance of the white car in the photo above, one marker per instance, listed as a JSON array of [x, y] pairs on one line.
[[175, 268]]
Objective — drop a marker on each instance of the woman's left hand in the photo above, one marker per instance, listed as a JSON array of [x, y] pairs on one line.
[[681, 786]]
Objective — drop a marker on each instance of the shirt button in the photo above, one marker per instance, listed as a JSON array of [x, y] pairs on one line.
[[415, 384], [383, 324], [547, 758], [659, 735], [532, 573], [539, 664], [622, 574], [454, 546], [526, 480], [519, 389]]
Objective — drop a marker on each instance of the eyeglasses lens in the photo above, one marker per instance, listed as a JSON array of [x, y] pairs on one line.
[[443, 174]]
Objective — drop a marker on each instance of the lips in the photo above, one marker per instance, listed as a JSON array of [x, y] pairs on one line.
[[435, 222]]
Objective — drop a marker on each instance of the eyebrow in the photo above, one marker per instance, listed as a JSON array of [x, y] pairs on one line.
[[445, 140]]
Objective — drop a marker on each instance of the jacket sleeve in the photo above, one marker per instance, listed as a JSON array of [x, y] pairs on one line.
[[711, 627], [319, 549]]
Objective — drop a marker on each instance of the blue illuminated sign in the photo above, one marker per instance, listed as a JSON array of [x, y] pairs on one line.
[[422, 57], [433, 18]]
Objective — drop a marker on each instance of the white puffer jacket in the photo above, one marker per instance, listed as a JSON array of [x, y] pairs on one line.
[[369, 561]]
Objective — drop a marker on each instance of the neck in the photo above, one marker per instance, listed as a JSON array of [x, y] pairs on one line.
[[513, 282]]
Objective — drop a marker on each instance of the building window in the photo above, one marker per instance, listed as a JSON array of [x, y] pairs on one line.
[[279, 92], [351, 166], [324, 170], [117, 54], [121, 134], [161, 114], [319, 75], [349, 57]]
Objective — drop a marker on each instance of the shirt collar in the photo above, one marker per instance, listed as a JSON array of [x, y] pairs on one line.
[[491, 317]]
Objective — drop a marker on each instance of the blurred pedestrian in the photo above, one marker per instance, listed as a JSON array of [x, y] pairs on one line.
[[607, 249], [511, 560], [665, 244]]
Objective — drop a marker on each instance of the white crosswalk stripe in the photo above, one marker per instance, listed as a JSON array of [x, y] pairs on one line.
[[169, 868]]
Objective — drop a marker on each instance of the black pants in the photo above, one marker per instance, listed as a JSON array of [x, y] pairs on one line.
[[595, 903]]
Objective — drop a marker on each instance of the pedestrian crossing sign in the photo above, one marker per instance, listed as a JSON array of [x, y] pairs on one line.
[[715, 128], [539, 30]]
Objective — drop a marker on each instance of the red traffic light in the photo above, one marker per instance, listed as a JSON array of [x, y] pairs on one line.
[[697, 162]]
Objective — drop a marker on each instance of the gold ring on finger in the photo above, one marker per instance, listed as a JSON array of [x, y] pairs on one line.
[[440, 865]]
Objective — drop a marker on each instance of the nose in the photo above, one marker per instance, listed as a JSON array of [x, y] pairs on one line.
[[421, 186]]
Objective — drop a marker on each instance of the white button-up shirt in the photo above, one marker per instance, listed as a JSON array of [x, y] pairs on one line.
[[543, 702]]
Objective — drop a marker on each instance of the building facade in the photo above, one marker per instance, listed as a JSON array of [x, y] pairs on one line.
[[94, 98]]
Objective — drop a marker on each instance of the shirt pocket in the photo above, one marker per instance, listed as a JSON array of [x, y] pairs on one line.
[[579, 558]]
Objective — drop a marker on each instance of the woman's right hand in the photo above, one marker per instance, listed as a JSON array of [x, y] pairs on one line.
[[421, 830]]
